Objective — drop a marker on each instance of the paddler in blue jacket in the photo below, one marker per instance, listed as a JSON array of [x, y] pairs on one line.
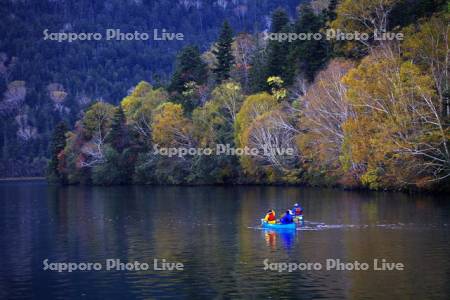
[[287, 218]]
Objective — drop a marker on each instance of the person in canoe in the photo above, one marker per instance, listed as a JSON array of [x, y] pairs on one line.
[[298, 213], [287, 218], [270, 217], [298, 210]]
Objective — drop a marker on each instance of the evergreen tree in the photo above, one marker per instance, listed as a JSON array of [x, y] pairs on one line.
[[258, 71], [117, 135], [331, 11], [58, 144], [278, 51], [189, 67], [111, 172], [258, 67], [280, 19], [308, 56], [224, 53], [190, 74]]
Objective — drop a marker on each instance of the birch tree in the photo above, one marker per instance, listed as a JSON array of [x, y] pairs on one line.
[[96, 124], [324, 109], [398, 129], [428, 47]]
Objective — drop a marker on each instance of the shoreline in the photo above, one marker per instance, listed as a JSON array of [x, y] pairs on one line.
[[303, 185], [6, 179]]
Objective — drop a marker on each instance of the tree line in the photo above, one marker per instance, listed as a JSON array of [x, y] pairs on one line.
[[370, 113], [43, 82]]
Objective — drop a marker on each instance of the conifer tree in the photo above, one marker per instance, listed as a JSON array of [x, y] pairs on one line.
[[331, 11], [223, 53], [278, 51], [307, 56], [58, 144], [117, 135], [189, 67]]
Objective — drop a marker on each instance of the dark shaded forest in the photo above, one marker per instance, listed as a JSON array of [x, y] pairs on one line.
[[44, 82]]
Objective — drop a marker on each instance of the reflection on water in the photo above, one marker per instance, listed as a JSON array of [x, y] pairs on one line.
[[215, 233], [286, 237]]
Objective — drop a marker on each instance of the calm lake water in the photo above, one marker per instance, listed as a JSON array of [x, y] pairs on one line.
[[215, 233]]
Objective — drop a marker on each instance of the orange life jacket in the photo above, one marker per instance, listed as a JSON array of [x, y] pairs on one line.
[[270, 216]]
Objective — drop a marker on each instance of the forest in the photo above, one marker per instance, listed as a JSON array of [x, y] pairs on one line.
[[43, 82], [357, 113]]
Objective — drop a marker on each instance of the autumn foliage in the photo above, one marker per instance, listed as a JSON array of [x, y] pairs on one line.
[[380, 121]]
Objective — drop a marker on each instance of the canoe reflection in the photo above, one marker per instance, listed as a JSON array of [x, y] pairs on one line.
[[287, 238]]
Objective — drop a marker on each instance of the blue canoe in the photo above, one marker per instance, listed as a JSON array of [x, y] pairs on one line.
[[278, 226]]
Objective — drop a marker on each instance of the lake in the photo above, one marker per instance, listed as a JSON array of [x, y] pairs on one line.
[[214, 232]]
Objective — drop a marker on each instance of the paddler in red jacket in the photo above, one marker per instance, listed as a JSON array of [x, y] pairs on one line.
[[298, 210], [270, 217]]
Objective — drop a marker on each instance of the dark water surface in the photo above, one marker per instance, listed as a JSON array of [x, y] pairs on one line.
[[214, 232]]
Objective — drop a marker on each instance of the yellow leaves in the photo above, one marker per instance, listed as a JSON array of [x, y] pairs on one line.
[[257, 122], [141, 89], [371, 91], [214, 121], [248, 163], [129, 104], [271, 140], [170, 127], [98, 118], [372, 179], [226, 89], [142, 101], [205, 120], [276, 85], [357, 14], [357, 147], [228, 97], [362, 17], [397, 118], [412, 77], [253, 106], [371, 79], [385, 89], [428, 44]]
